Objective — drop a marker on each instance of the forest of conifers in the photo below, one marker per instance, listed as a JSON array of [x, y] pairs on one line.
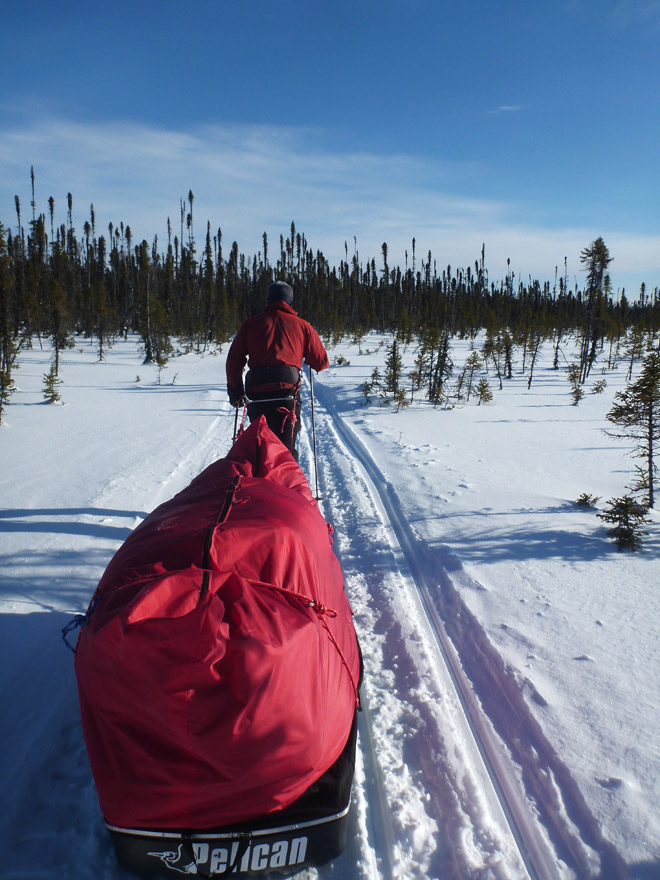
[[55, 283]]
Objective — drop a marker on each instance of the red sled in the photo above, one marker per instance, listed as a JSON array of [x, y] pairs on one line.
[[218, 673]]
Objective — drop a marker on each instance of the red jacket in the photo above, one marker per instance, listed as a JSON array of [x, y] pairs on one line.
[[276, 336]]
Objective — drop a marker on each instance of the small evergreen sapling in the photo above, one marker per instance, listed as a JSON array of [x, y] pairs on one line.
[[472, 364], [51, 384], [372, 384], [587, 500], [484, 394], [628, 518], [366, 390], [415, 382], [458, 390], [577, 392], [400, 399]]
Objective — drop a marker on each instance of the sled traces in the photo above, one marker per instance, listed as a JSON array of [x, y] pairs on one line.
[[417, 637]]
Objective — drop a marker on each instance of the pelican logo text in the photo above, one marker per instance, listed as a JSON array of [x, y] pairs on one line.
[[220, 859]]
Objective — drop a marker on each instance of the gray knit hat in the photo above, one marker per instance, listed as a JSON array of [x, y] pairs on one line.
[[280, 290]]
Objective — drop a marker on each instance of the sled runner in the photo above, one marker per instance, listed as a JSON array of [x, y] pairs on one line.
[[218, 673]]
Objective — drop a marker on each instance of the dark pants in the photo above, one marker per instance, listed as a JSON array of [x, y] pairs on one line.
[[283, 418]]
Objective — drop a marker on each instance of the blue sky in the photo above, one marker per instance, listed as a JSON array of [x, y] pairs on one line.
[[530, 127]]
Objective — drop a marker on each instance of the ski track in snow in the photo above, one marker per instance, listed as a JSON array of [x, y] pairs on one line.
[[535, 789], [422, 753]]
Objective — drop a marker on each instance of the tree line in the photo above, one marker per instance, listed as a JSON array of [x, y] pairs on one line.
[[56, 282]]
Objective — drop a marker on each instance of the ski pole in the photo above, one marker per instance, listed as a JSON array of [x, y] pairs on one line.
[[316, 469], [235, 424]]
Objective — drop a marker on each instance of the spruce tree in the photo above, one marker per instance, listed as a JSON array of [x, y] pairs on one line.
[[636, 412], [51, 385], [536, 338], [493, 349], [8, 329], [7, 388], [628, 518], [60, 322], [484, 394], [203, 301], [577, 392], [472, 364], [393, 369], [595, 259]]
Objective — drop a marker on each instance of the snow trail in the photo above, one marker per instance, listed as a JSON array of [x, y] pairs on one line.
[[493, 702], [428, 770]]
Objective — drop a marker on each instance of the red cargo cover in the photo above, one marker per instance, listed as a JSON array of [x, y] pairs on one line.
[[217, 673]]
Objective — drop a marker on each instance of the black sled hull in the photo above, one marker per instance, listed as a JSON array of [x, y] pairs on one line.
[[309, 833], [279, 851]]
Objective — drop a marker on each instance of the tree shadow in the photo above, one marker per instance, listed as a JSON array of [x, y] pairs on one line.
[[50, 580], [530, 540], [27, 520]]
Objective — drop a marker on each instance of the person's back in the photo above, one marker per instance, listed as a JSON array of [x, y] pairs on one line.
[[274, 345]]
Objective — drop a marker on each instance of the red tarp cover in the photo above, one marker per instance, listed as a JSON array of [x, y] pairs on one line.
[[207, 698]]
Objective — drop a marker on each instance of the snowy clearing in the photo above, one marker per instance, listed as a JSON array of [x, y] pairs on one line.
[[511, 723]]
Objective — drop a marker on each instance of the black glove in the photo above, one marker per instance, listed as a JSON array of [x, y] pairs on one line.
[[236, 398]]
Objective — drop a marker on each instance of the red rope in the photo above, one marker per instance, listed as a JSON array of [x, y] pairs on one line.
[[322, 611], [343, 660], [289, 415], [242, 425]]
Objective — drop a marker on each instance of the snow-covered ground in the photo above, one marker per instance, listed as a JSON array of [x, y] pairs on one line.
[[504, 636]]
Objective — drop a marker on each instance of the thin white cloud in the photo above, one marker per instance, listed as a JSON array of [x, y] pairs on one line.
[[506, 108], [254, 179]]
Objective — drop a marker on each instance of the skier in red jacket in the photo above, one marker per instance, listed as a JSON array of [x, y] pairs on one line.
[[274, 344]]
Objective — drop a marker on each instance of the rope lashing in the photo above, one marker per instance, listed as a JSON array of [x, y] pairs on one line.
[[319, 607], [288, 415], [78, 620], [322, 611], [242, 425]]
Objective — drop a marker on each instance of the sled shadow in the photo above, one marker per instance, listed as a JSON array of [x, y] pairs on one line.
[[50, 822]]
